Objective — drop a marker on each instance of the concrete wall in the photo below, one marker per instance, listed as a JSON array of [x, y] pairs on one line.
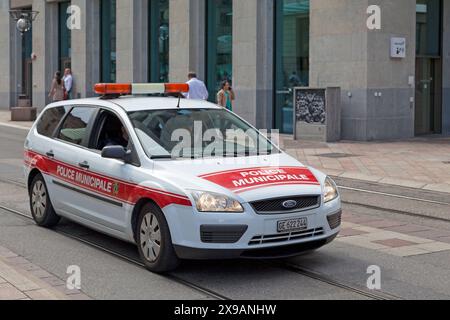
[[45, 31], [253, 60], [338, 58], [446, 70], [345, 53], [392, 115], [86, 49], [187, 39], [132, 40], [5, 62]]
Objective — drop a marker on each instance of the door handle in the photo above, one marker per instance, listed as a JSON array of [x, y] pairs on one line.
[[50, 154], [84, 165]]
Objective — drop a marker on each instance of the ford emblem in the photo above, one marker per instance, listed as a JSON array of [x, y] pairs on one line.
[[290, 204]]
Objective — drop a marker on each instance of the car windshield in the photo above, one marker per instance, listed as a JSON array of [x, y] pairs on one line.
[[197, 133]]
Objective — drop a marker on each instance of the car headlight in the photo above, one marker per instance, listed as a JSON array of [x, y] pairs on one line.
[[213, 202], [330, 190]]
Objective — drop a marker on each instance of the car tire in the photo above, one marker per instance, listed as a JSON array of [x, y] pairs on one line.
[[40, 205], [154, 240]]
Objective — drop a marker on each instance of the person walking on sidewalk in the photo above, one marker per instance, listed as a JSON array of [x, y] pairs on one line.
[[197, 88], [68, 83], [57, 90], [226, 96]]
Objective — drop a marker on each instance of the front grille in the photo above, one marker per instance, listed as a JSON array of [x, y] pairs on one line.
[[276, 206], [286, 237], [222, 233], [335, 220]]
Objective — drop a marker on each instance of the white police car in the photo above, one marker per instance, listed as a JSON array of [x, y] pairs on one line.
[[182, 179]]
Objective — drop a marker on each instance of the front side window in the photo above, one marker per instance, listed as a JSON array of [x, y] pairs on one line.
[[111, 132], [197, 133], [50, 119], [74, 128]]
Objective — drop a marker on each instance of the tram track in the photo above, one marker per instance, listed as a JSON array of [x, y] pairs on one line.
[[171, 277], [294, 268], [210, 293]]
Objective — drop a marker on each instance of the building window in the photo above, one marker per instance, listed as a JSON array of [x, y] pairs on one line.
[[219, 35], [27, 64], [292, 57], [108, 40], [428, 28], [65, 36], [159, 40]]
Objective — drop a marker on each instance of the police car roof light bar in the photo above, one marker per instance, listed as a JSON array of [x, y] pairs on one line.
[[118, 89]]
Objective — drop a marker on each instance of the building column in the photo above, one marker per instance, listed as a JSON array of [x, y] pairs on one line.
[[45, 46], [86, 49], [253, 49], [445, 69], [5, 62], [345, 53], [187, 39], [132, 41]]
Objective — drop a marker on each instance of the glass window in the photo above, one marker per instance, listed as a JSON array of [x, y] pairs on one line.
[[428, 27], [50, 119], [27, 64], [197, 133], [74, 129], [159, 40], [108, 41], [219, 28], [292, 57], [65, 36]]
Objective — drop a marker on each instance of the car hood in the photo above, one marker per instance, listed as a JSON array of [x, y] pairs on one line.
[[246, 179]]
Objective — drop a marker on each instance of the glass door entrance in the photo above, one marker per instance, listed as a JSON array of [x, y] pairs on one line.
[[428, 96], [428, 112], [292, 57]]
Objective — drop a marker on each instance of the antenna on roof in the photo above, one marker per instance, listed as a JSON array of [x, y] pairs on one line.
[[179, 100]]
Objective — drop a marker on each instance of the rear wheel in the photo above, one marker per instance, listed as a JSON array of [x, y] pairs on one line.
[[41, 207], [154, 240]]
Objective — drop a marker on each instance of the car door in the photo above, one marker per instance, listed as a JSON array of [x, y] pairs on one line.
[[64, 165], [106, 202]]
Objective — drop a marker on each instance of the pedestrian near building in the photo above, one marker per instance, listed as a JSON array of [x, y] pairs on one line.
[[226, 96], [197, 88], [57, 90], [68, 83]]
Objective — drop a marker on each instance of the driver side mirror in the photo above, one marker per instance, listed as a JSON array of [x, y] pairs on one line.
[[116, 152]]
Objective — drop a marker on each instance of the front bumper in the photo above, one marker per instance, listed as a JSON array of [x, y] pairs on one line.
[[259, 236], [274, 252]]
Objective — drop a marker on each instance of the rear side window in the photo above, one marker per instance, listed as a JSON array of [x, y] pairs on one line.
[[50, 120], [74, 128]]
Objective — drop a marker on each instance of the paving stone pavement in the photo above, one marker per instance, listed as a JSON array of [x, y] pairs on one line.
[[422, 163], [5, 119], [22, 280], [392, 237]]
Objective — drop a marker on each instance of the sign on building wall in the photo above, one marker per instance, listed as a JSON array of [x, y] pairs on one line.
[[398, 47]]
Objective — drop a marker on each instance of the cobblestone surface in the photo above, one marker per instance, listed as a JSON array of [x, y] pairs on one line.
[[422, 163]]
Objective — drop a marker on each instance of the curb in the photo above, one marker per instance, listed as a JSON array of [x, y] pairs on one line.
[[14, 126]]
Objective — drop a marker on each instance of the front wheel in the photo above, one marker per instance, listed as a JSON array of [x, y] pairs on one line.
[[154, 240], [41, 208]]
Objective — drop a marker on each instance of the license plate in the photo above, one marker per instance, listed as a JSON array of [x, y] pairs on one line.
[[299, 224]]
